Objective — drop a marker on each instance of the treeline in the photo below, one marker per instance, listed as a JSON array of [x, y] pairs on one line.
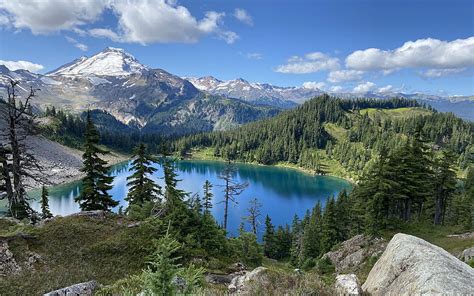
[[293, 136], [409, 185], [68, 129]]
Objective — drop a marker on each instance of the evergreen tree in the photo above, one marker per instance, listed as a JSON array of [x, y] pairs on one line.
[[45, 212], [97, 182], [445, 185], [141, 187], [208, 195], [311, 246], [329, 226], [269, 239], [174, 197]]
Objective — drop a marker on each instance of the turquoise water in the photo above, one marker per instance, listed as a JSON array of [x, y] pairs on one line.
[[283, 192]]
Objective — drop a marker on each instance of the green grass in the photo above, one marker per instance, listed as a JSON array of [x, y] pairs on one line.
[[337, 132], [396, 113]]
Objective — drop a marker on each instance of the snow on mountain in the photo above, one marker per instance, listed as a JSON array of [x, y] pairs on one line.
[[257, 93], [109, 62]]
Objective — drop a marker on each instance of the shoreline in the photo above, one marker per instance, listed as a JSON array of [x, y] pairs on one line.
[[192, 156]]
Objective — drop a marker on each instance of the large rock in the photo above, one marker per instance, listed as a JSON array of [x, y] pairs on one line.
[[412, 266], [81, 289], [467, 255], [242, 284], [8, 264], [347, 284], [353, 252]]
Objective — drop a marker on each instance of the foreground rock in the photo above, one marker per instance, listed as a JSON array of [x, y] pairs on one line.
[[355, 251], [81, 289], [347, 284], [8, 264], [243, 284], [412, 266], [467, 255]]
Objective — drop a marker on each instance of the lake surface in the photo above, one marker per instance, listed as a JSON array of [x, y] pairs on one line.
[[283, 192]]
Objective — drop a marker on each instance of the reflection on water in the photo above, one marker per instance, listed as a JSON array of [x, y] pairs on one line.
[[283, 192]]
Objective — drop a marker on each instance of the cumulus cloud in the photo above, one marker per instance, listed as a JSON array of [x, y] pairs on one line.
[[139, 21], [25, 65], [314, 85], [310, 63], [47, 16], [344, 75], [336, 88], [77, 44], [437, 73], [243, 16], [385, 89], [365, 87], [422, 53]]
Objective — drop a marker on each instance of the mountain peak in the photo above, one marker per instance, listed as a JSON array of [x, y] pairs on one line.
[[109, 62]]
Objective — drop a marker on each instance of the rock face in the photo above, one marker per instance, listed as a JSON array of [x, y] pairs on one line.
[[467, 255], [347, 284], [412, 266], [353, 252], [8, 264], [81, 289], [242, 284]]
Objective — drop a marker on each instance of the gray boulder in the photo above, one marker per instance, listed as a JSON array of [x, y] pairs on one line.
[[347, 284], [412, 266], [8, 264], [467, 255], [353, 253], [81, 289], [242, 284]]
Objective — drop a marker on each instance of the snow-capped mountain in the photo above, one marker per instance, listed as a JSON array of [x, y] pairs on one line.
[[257, 93], [150, 99], [109, 62]]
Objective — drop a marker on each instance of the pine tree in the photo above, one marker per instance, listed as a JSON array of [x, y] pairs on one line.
[[141, 187], [174, 197], [329, 226], [45, 212], [207, 203], [97, 182], [311, 245], [254, 213], [269, 240], [445, 185]]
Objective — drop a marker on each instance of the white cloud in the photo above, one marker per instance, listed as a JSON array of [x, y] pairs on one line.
[[314, 85], [76, 43], [243, 16], [436, 73], [228, 36], [139, 21], [365, 87], [4, 21], [422, 53], [345, 75], [310, 63], [254, 56], [48, 16], [336, 88], [104, 33], [15, 65], [385, 89]]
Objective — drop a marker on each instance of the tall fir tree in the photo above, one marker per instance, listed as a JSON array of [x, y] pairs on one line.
[[45, 212], [311, 245], [97, 182], [329, 226], [208, 195], [141, 187], [444, 183], [269, 240]]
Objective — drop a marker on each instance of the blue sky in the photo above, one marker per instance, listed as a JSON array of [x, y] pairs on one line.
[[369, 45]]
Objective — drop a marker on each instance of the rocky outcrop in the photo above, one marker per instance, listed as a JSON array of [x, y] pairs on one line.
[[467, 255], [412, 266], [81, 289], [218, 279], [355, 251], [347, 284], [242, 284], [8, 264]]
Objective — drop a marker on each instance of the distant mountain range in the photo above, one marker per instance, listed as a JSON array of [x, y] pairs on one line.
[[154, 100]]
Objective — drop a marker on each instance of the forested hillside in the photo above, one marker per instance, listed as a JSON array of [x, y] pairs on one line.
[[326, 131]]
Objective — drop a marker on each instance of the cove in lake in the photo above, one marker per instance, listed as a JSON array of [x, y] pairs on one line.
[[283, 192]]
